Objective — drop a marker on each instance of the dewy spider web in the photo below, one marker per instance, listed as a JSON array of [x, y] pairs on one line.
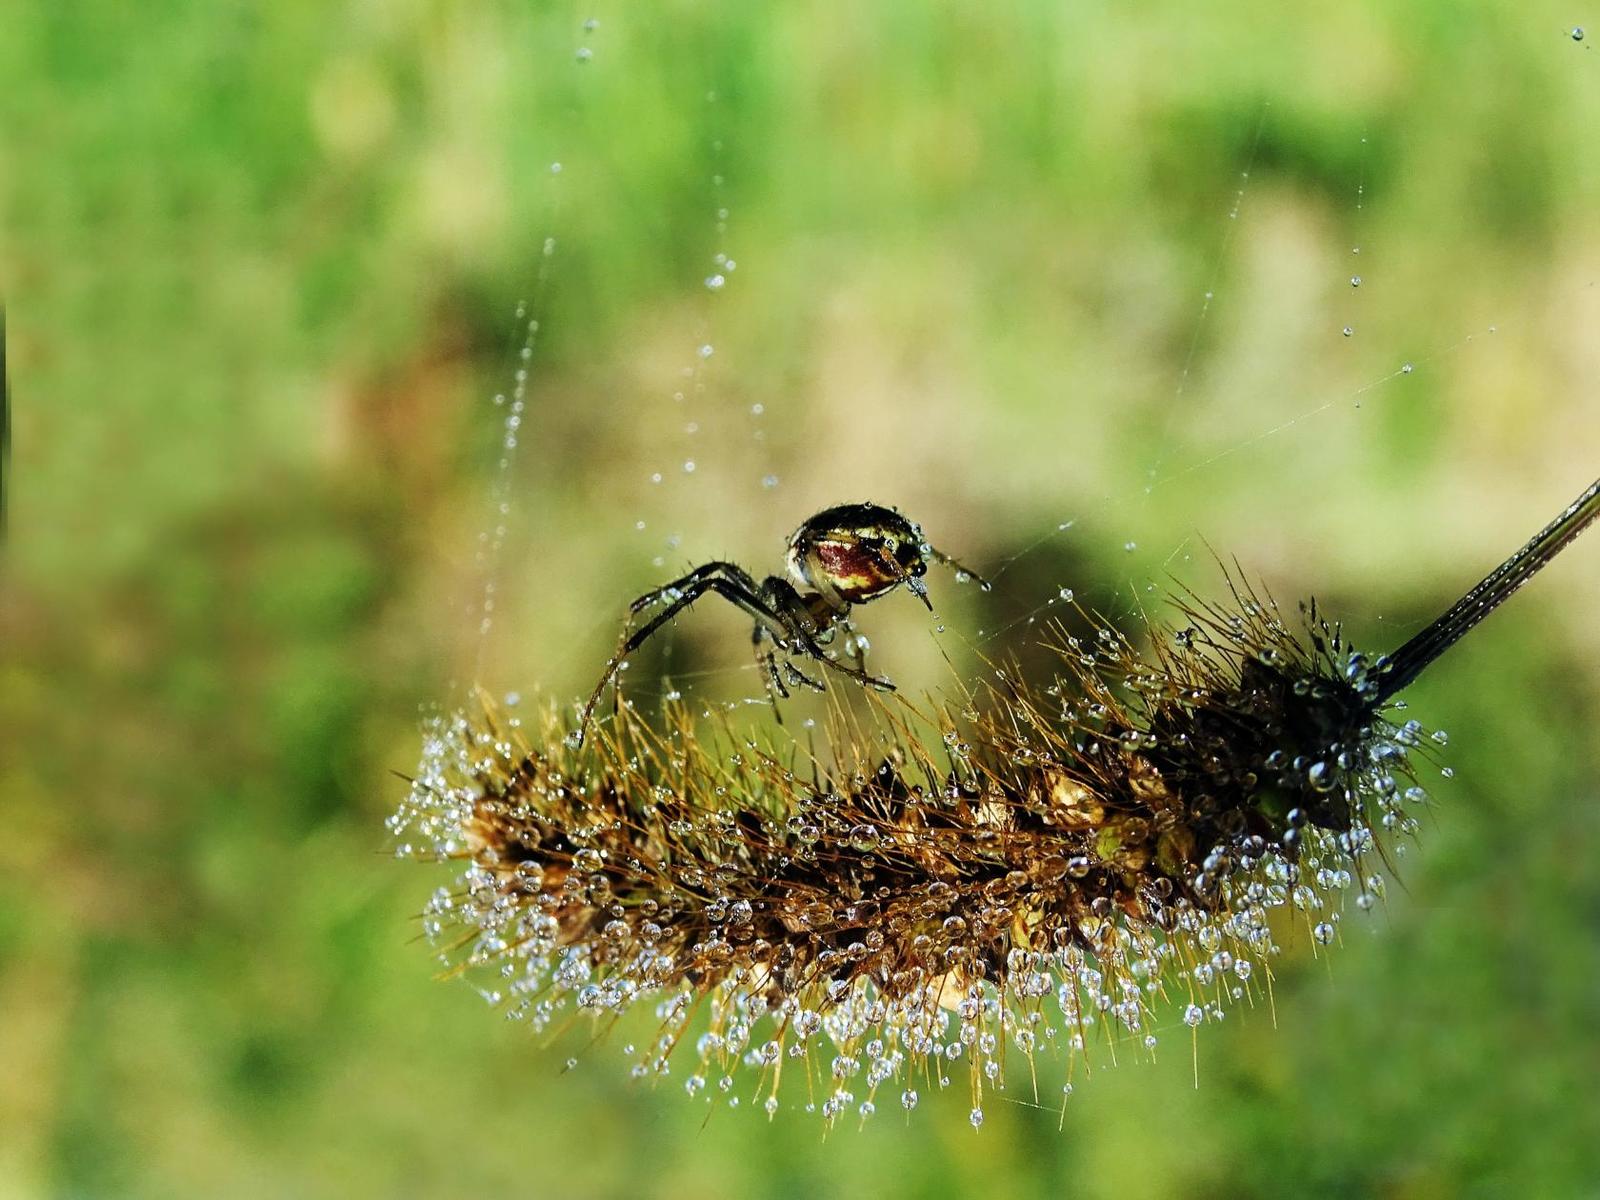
[[888, 912]]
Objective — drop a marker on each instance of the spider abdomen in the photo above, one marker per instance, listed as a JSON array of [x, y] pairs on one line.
[[856, 570]]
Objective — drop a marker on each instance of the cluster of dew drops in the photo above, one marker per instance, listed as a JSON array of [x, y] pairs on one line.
[[850, 1040]]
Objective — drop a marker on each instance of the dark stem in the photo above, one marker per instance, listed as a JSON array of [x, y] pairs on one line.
[[1406, 663]]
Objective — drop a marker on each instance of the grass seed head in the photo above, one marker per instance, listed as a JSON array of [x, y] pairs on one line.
[[1050, 866]]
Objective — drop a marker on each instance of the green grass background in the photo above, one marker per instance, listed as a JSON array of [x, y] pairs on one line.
[[260, 265]]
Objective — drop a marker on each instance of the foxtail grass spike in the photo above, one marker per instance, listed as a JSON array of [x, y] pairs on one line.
[[941, 894]]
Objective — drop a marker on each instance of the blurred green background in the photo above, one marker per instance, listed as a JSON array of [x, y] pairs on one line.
[[261, 265]]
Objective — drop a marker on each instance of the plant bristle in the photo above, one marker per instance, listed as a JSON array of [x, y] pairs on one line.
[[1064, 866]]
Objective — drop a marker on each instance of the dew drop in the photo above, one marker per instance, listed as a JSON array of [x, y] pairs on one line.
[[864, 838], [715, 282], [1324, 933], [1407, 369], [706, 351], [688, 467], [1577, 33], [1355, 281], [584, 54], [1348, 331], [1066, 594], [976, 1117]]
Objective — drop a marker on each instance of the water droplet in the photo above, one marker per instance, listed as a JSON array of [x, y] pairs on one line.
[[1355, 280], [555, 168], [1193, 1015], [706, 351], [1065, 594], [1407, 369], [591, 25], [769, 481], [1130, 547], [584, 54], [1348, 331], [1577, 33], [976, 1117], [864, 838], [688, 467], [715, 282], [1324, 933]]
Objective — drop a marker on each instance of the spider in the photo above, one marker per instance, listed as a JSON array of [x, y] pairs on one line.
[[843, 556]]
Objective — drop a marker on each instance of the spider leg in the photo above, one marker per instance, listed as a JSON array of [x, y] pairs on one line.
[[939, 556], [700, 582], [683, 583], [892, 566], [856, 646], [767, 664], [876, 682], [796, 616], [796, 675]]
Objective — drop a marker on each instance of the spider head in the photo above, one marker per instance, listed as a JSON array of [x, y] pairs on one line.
[[853, 553]]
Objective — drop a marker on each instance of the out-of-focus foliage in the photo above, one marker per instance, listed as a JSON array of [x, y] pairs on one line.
[[260, 264]]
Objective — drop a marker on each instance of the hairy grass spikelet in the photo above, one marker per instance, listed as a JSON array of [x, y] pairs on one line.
[[950, 890]]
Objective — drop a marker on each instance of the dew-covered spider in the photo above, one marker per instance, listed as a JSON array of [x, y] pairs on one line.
[[841, 557]]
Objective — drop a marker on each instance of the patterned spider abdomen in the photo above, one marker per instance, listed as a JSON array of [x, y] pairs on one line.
[[856, 552]]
